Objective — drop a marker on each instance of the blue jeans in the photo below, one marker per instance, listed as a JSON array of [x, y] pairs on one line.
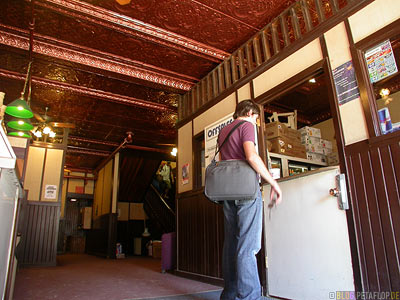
[[243, 225]]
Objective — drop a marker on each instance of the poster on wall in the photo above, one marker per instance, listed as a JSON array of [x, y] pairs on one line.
[[345, 83], [210, 137], [50, 191], [185, 174], [380, 61]]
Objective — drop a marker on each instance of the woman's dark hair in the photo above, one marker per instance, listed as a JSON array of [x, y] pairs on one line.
[[244, 107]]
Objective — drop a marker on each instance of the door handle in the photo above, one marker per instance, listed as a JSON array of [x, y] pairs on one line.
[[334, 192], [340, 191]]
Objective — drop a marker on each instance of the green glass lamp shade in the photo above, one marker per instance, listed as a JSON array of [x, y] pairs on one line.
[[18, 133], [20, 124], [19, 109]]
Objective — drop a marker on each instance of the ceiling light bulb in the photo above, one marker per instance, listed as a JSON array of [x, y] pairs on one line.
[[174, 151], [52, 134], [20, 133], [384, 93], [46, 130], [312, 80], [20, 108], [20, 122], [38, 133]]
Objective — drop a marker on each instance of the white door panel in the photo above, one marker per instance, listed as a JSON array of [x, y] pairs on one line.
[[307, 240]]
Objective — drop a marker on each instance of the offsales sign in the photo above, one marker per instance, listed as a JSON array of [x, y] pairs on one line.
[[210, 137]]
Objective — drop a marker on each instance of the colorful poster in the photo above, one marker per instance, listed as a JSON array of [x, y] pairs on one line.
[[185, 174], [346, 83], [381, 62]]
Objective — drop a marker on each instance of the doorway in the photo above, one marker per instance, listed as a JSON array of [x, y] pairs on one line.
[[308, 254], [76, 221]]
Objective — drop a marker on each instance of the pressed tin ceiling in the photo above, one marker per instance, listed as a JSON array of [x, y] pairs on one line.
[[110, 68]]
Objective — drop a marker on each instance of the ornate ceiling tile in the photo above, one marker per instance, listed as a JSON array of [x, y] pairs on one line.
[[66, 51], [255, 13], [110, 69], [56, 85], [186, 17], [124, 24]]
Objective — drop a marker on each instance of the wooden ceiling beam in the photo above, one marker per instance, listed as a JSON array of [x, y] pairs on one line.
[[47, 46], [133, 27]]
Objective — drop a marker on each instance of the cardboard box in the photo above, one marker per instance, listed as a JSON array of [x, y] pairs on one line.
[[326, 150], [157, 249], [293, 135], [310, 140], [316, 157], [277, 129], [286, 146], [326, 143], [333, 159], [315, 148], [274, 130], [310, 131]]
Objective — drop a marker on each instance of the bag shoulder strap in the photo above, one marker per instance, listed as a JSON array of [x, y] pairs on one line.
[[227, 137]]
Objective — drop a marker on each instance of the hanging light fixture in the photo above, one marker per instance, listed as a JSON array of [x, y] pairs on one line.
[[20, 124], [44, 129], [18, 133], [19, 108]]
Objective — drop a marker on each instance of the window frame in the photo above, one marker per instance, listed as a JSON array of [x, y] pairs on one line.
[[366, 88]]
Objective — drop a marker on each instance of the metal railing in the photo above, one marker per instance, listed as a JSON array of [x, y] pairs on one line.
[[158, 210]]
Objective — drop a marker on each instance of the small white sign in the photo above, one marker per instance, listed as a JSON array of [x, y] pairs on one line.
[[211, 135], [50, 191]]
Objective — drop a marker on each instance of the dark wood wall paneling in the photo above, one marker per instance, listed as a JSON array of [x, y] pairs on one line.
[[200, 229], [374, 175], [39, 234]]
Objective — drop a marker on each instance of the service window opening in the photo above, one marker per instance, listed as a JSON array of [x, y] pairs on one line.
[[299, 129]]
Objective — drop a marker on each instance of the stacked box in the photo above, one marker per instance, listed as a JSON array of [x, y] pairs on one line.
[[316, 157], [326, 146], [278, 129], [315, 148], [311, 139], [274, 130], [294, 135], [310, 131], [333, 159], [286, 146], [284, 140]]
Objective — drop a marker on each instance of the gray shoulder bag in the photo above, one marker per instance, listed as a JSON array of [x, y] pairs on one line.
[[230, 179]]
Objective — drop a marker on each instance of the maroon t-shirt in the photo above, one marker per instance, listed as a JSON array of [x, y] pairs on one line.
[[233, 148]]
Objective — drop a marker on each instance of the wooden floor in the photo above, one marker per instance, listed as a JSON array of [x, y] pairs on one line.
[[86, 277]]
